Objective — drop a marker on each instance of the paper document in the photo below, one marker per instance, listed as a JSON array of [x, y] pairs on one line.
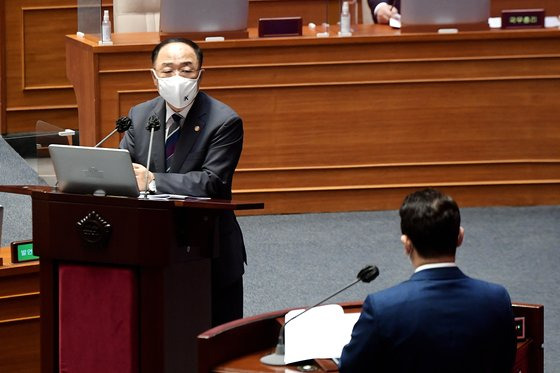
[[174, 196], [320, 333], [395, 21], [551, 21]]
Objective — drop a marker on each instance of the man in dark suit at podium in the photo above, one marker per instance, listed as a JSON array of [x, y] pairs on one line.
[[195, 153], [440, 320]]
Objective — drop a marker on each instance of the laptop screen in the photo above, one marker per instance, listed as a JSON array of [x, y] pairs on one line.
[[444, 12], [178, 16], [98, 171]]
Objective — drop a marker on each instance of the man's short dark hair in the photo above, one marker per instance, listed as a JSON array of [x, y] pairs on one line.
[[190, 43], [431, 220]]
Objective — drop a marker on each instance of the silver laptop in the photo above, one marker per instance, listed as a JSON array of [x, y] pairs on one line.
[[444, 12], [178, 16], [98, 171]]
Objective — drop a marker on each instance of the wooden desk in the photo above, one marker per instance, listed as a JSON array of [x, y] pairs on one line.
[[19, 315], [334, 124], [237, 347]]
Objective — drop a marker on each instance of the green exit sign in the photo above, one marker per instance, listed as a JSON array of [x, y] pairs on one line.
[[23, 252]]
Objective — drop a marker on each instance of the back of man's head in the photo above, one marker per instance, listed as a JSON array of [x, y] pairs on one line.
[[432, 221]]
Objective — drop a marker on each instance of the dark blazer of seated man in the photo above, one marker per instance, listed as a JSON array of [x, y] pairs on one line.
[[206, 150], [383, 10], [440, 320]]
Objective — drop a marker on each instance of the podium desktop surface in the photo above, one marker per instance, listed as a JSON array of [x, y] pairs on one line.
[[237, 347]]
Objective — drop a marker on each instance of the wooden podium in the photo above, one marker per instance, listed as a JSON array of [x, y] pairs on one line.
[[125, 282]]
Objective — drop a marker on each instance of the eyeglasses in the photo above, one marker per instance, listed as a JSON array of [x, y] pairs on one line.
[[185, 73]]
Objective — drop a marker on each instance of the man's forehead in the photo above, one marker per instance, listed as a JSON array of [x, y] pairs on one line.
[[176, 53]]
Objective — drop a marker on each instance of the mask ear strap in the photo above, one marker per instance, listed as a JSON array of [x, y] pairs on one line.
[[154, 74]]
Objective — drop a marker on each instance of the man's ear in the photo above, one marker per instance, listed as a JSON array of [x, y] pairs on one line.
[[461, 236], [407, 244], [154, 78]]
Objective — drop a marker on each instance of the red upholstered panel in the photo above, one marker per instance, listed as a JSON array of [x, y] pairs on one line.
[[98, 319]]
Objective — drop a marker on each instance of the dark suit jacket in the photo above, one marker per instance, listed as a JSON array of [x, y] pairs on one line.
[[203, 164], [438, 321], [374, 3]]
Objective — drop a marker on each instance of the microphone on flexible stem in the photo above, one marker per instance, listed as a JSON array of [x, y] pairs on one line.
[[366, 274], [122, 125], [153, 125]]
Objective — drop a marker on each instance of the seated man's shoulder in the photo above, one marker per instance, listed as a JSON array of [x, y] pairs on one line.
[[488, 288], [415, 292], [393, 296], [148, 105], [216, 107]]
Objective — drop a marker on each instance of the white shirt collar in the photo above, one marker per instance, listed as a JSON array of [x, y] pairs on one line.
[[435, 265], [169, 112]]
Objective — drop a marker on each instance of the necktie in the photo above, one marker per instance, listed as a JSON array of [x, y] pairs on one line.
[[171, 140]]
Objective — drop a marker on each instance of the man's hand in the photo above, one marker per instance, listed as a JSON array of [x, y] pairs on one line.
[[140, 172], [385, 12]]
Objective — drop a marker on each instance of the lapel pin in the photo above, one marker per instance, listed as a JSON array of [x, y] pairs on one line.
[[196, 128]]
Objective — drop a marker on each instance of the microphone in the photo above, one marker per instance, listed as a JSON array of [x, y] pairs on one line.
[[366, 274], [122, 125], [153, 125]]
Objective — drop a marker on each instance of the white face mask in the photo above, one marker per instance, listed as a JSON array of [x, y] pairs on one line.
[[179, 92]]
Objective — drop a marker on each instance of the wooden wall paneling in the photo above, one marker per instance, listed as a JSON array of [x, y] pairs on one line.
[[119, 96], [390, 197], [497, 6], [479, 86], [20, 345], [21, 283], [44, 56], [388, 46], [368, 176], [390, 130], [123, 86], [35, 63], [81, 65], [296, 90], [19, 316], [551, 7], [21, 305], [26, 118]]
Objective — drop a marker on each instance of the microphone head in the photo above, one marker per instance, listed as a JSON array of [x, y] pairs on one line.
[[153, 122], [123, 124], [368, 273]]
